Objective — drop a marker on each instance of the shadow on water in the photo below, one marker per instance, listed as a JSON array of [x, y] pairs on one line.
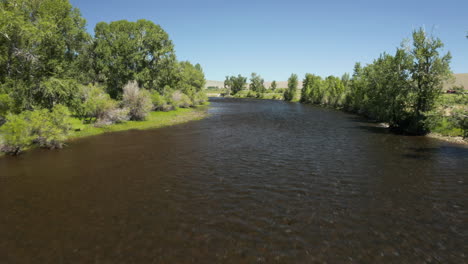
[[373, 129], [446, 151]]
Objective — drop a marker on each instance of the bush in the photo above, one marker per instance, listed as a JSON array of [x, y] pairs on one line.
[[180, 99], [199, 98], [137, 100], [96, 103], [460, 120], [158, 101], [50, 129], [16, 133], [252, 94], [114, 116]]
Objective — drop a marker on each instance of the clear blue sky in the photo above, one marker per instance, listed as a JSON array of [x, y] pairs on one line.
[[277, 38]]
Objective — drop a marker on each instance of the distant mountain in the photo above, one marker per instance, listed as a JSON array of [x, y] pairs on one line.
[[459, 79]]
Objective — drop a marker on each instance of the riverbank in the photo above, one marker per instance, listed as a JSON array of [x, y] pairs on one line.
[[442, 133], [458, 140], [156, 119]]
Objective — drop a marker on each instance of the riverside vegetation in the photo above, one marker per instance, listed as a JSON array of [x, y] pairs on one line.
[[57, 81], [403, 90]]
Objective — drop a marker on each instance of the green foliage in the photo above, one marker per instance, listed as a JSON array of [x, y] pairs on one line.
[[312, 89], [51, 128], [95, 103], [48, 62], [140, 51], [401, 89], [158, 101], [460, 119], [429, 70], [6, 104], [273, 85], [56, 91], [137, 100], [235, 84], [346, 79], [450, 116], [39, 44], [256, 84], [192, 78], [199, 98], [179, 99], [47, 128], [292, 87], [46, 93], [16, 134]]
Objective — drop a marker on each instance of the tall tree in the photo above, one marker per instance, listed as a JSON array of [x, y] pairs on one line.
[[256, 83], [237, 83], [430, 69], [140, 51], [38, 40], [292, 88], [228, 84], [191, 77], [273, 85], [311, 89]]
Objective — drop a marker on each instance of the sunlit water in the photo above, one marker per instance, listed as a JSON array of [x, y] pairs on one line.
[[257, 181]]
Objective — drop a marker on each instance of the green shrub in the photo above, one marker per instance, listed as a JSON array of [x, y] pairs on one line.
[[50, 129], [137, 100], [96, 103], [179, 99], [47, 128], [252, 94], [157, 100], [15, 134], [199, 98], [460, 120]]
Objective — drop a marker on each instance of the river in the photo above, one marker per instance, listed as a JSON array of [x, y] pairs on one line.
[[258, 181]]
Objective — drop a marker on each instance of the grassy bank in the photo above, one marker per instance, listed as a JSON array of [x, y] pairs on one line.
[[444, 117], [267, 95], [156, 119]]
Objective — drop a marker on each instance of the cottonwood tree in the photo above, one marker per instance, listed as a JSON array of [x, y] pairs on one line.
[[311, 89], [256, 83], [140, 51], [273, 86], [236, 83], [39, 40], [428, 72], [292, 87]]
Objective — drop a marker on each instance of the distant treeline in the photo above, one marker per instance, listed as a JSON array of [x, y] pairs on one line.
[[400, 89], [48, 62]]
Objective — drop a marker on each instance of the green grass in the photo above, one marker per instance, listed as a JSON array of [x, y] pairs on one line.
[[250, 94], [446, 128], [445, 104], [154, 120]]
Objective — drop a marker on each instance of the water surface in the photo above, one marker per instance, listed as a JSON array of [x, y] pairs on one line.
[[257, 181]]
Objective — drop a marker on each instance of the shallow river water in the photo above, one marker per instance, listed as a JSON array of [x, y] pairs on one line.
[[257, 181]]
